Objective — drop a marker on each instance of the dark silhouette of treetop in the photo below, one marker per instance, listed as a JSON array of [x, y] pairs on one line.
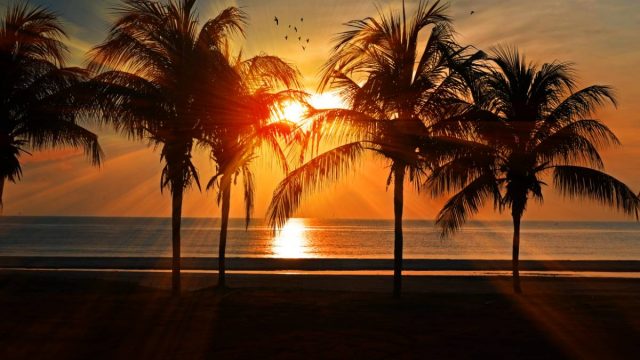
[[530, 122], [38, 105], [396, 93], [154, 71]]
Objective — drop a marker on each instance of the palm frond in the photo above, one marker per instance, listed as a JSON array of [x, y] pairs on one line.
[[10, 167], [466, 203], [135, 40], [32, 32], [338, 125], [129, 103], [576, 181], [272, 135], [66, 133], [249, 193], [309, 178], [577, 141], [440, 35], [466, 162], [569, 149], [550, 82], [346, 87], [269, 72], [428, 14], [577, 106], [230, 20], [39, 101]]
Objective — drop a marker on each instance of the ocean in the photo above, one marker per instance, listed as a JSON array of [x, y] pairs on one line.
[[315, 238]]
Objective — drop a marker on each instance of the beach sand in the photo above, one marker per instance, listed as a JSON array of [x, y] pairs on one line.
[[122, 315]]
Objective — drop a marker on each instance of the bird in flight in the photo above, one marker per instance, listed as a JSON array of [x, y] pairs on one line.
[[295, 28], [289, 26], [286, 37], [307, 41], [304, 48], [301, 19], [275, 18], [472, 12], [299, 38]]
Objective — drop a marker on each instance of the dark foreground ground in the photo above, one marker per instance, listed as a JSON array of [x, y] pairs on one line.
[[60, 315]]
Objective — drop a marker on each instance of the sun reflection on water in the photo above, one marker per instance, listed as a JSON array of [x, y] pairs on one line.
[[291, 241]]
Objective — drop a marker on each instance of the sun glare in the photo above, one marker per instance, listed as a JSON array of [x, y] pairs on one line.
[[327, 100], [295, 112], [291, 241]]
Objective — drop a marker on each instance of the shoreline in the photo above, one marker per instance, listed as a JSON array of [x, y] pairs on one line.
[[354, 273], [313, 264]]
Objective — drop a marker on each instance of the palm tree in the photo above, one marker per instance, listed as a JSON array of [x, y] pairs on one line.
[[530, 121], [37, 107], [396, 95], [240, 122], [154, 68]]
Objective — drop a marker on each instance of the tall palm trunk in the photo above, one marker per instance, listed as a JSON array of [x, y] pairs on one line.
[[398, 203], [226, 197], [515, 260], [176, 218]]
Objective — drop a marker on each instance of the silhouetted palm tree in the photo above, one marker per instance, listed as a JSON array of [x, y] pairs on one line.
[[530, 122], [397, 96], [156, 66], [37, 107], [240, 122]]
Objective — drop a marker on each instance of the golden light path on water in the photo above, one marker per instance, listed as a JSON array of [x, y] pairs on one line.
[[291, 241]]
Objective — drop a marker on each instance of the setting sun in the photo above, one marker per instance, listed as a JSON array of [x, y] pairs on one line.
[[295, 112], [327, 100]]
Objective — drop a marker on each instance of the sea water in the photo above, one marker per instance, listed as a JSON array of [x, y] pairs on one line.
[[315, 238]]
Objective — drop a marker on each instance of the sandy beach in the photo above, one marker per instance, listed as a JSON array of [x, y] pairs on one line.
[[106, 315], [311, 264]]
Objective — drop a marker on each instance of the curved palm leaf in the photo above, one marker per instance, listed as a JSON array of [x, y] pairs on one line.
[[309, 178], [576, 142], [577, 181], [467, 202]]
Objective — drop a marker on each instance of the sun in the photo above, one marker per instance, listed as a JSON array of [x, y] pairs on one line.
[[296, 112], [293, 111], [328, 100]]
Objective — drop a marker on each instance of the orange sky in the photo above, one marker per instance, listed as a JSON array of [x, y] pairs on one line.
[[600, 37]]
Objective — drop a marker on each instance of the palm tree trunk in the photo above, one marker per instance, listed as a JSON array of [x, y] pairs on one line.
[[176, 218], [398, 203], [515, 265], [226, 197]]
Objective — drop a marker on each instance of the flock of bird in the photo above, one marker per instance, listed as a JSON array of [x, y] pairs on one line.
[[303, 44]]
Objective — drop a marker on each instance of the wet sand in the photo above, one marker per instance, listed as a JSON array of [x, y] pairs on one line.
[[106, 315]]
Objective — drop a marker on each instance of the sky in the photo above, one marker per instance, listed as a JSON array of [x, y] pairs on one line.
[[600, 37]]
